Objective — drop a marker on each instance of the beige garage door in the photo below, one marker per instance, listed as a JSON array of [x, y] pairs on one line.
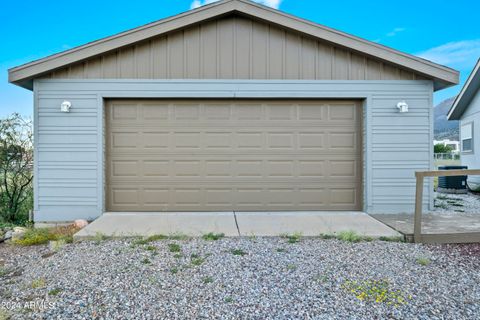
[[242, 155]]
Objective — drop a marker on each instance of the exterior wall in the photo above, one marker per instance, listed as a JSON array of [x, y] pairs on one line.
[[234, 48], [472, 114], [69, 153]]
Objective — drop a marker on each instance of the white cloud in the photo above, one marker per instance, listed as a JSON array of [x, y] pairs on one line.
[[271, 3], [457, 54], [395, 31]]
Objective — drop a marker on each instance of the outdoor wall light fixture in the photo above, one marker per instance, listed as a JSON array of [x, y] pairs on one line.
[[402, 107], [65, 106]]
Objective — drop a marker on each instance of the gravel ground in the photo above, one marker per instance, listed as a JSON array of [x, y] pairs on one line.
[[274, 279], [457, 203]]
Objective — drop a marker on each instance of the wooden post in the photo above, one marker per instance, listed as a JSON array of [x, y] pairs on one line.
[[417, 224]]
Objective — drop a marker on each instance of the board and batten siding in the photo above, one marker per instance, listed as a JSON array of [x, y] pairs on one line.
[[69, 153], [234, 47]]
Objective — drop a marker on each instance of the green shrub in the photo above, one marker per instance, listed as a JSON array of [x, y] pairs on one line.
[[37, 236]]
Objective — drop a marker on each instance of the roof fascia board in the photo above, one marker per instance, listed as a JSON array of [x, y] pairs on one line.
[[466, 94]]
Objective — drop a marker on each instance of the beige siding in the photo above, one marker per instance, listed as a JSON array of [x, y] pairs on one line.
[[223, 155], [234, 48]]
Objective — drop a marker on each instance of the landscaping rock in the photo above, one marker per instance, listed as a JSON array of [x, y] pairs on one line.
[[273, 278], [20, 229], [18, 235], [8, 235], [80, 224]]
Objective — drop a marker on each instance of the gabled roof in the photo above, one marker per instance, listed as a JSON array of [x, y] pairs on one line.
[[23, 75], [470, 88]]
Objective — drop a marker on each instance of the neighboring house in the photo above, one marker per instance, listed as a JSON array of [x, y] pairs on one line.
[[466, 108], [454, 145], [231, 106]]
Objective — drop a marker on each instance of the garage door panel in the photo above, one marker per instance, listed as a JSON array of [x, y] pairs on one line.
[[223, 155]]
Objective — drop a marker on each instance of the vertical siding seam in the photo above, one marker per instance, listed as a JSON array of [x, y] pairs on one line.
[[349, 65], [150, 59], [234, 48], [284, 52], [184, 71], [201, 48], [315, 61], [167, 55], [217, 50], [267, 55], [250, 58], [117, 64]]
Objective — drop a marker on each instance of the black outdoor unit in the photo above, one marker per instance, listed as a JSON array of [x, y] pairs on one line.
[[456, 184]]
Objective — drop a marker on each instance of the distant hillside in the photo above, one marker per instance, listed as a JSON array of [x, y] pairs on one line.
[[443, 128]]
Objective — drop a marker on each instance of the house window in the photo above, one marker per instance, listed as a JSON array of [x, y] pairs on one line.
[[467, 137]]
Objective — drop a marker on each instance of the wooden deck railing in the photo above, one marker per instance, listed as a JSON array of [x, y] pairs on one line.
[[417, 225]]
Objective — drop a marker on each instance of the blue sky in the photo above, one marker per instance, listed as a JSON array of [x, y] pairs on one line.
[[443, 31]]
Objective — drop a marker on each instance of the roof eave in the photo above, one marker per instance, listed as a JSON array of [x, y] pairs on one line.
[[469, 89]]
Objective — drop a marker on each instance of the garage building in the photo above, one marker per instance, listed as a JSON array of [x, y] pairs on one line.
[[233, 106]]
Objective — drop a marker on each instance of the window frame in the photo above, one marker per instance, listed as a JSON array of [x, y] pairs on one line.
[[471, 150]]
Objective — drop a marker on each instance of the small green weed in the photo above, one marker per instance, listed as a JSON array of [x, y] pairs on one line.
[[173, 247], [140, 242], [321, 278], [54, 292], [291, 267], [99, 237], [146, 261], [157, 237], [327, 236], [376, 291], [213, 236], [178, 255], [293, 238], [151, 248], [174, 270], [238, 252], [207, 280], [228, 299], [4, 271], [281, 250], [423, 261], [38, 283], [178, 236], [391, 239], [4, 314], [352, 236], [197, 261]]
